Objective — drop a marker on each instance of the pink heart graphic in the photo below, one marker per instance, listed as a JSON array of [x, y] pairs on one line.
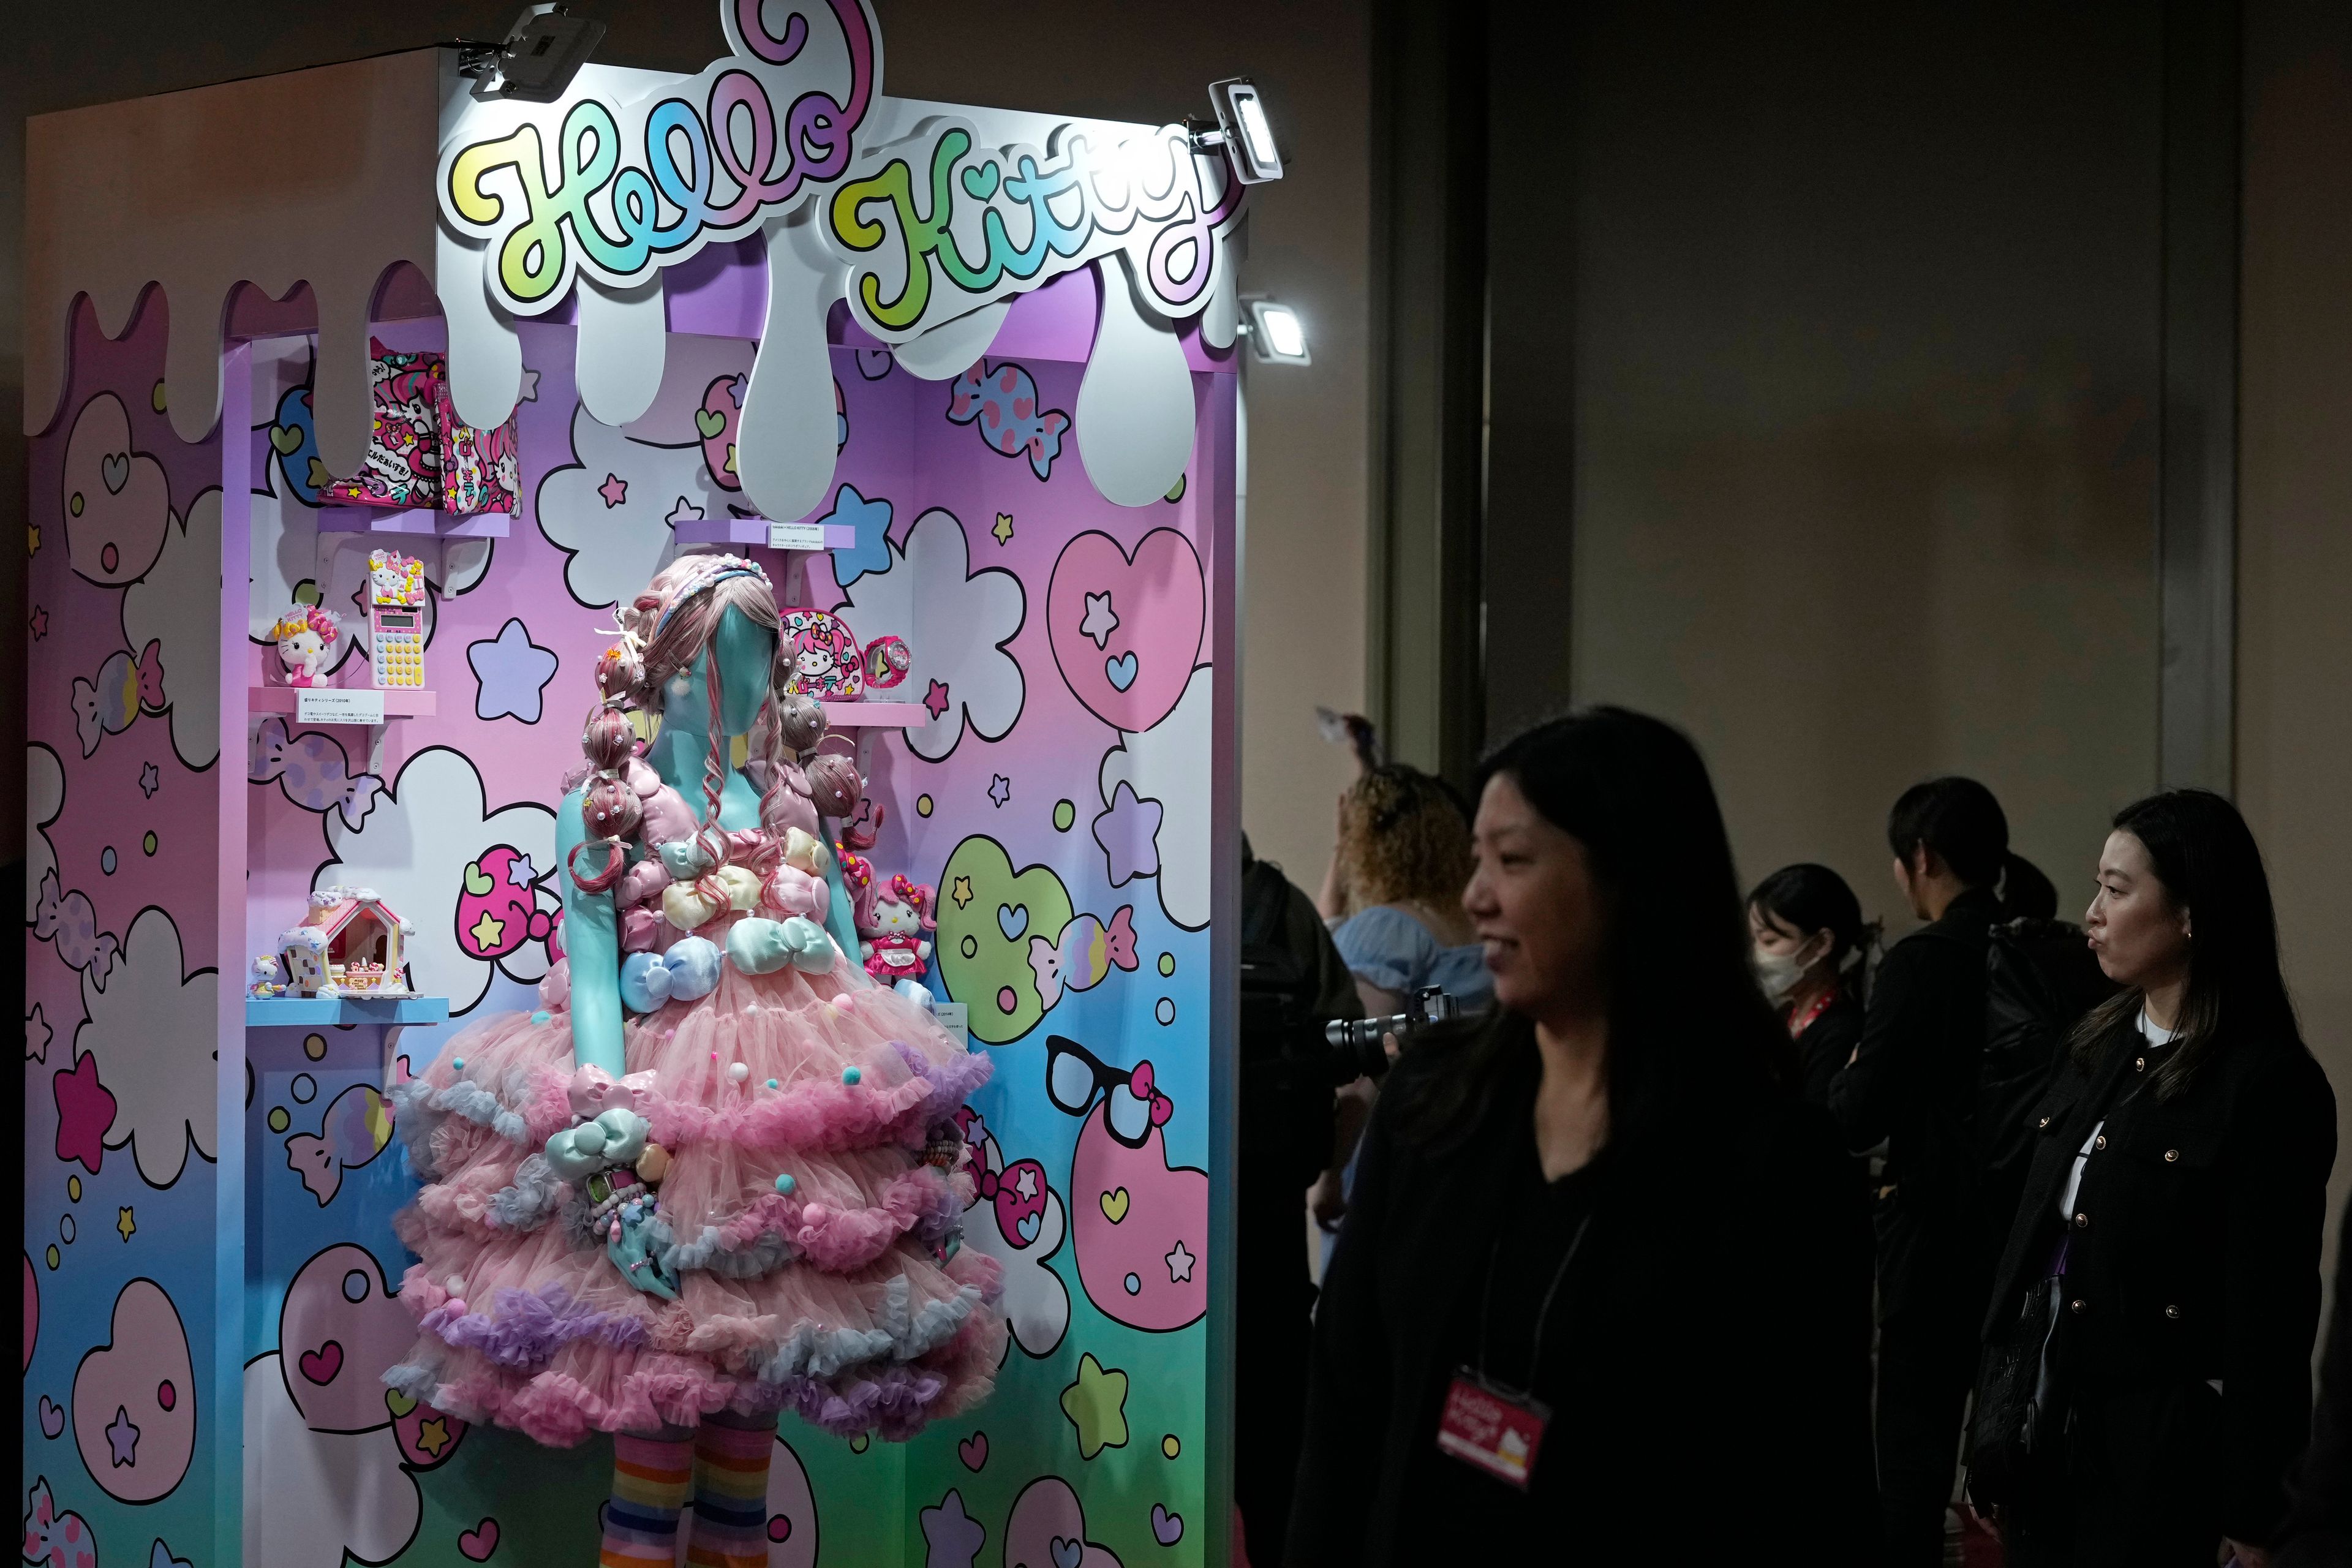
[[1141, 616], [322, 1364], [478, 1542], [973, 1450]]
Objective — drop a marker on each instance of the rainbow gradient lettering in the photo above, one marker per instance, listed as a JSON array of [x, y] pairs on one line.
[[636, 189]]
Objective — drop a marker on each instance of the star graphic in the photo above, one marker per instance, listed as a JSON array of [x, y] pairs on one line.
[[936, 699], [1180, 1265], [1003, 528], [1000, 789], [614, 490], [870, 520], [85, 1110], [684, 511], [40, 623], [510, 671], [1101, 621], [432, 1437], [488, 931], [122, 1439], [961, 891], [1096, 1406], [530, 386], [124, 1225], [37, 1035], [1026, 1183], [1129, 835], [953, 1536], [32, 540], [520, 872], [151, 779]]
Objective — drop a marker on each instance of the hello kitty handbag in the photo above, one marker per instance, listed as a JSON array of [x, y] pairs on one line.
[[822, 657]]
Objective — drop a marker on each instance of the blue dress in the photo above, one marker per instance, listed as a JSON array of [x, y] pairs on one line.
[[1386, 947]]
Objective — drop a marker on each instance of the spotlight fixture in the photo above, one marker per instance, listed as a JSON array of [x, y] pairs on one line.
[[1243, 130], [1275, 333], [542, 52]]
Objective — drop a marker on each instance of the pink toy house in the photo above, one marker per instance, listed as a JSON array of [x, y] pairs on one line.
[[350, 945]]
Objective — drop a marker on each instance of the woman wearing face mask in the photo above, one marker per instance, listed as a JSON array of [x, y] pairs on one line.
[[1808, 932], [1603, 1291], [2170, 1225]]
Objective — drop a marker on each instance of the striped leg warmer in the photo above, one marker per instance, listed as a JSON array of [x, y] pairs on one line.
[[730, 1497]]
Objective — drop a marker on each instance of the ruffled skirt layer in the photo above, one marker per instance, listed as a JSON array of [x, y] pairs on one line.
[[845, 1298]]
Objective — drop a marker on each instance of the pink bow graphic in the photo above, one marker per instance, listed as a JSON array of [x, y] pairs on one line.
[[594, 1091]]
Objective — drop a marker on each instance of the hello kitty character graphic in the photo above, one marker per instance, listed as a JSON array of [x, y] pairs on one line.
[[396, 579], [303, 635], [826, 663], [892, 918]]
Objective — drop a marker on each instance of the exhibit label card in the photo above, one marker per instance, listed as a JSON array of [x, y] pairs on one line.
[[338, 705]]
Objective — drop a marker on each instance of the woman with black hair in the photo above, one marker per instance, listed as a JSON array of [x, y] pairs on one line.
[[2170, 1227], [1604, 1289], [1808, 932], [1912, 1085]]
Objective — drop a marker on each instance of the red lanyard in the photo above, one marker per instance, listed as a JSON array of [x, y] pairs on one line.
[[1821, 1004]]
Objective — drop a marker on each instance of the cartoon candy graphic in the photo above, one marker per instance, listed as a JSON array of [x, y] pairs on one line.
[[116, 500], [1086, 951], [134, 1399], [987, 914], [356, 1128], [55, 1539], [312, 769], [1003, 404], [1141, 1226], [1024, 1226], [124, 688], [498, 910]]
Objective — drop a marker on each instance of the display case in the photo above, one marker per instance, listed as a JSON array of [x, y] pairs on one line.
[[1021, 468]]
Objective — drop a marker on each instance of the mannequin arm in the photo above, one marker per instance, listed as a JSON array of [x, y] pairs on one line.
[[592, 945]]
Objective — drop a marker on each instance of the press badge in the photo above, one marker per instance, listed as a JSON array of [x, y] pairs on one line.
[[1492, 1429]]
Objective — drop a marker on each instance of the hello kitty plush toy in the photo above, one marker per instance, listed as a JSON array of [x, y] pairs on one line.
[[892, 918], [304, 633]]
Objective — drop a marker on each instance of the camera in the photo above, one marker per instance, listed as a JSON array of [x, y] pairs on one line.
[[1279, 1025], [1356, 1046]]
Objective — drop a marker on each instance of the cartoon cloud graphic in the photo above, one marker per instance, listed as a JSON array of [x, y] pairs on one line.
[[312, 1496], [134, 1399], [420, 849], [151, 1032]]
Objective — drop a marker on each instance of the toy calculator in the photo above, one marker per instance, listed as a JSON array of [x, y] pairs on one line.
[[399, 645]]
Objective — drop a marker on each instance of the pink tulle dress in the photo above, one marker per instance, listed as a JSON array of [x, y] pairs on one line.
[[842, 1293]]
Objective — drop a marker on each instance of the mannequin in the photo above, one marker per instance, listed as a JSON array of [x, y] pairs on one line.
[[709, 1178]]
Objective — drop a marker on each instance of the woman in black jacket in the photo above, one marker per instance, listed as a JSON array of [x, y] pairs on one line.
[[2176, 1198], [1604, 1289], [1810, 947]]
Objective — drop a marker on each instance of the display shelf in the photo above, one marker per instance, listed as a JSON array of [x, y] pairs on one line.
[[310, 1012], [412, 519], [755, 530], [876, 715], [399, 701]]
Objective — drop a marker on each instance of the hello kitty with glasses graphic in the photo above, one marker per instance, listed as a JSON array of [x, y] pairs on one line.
[[1141, 1226]]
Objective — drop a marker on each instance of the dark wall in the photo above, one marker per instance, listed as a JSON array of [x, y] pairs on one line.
[[1822, 380]]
